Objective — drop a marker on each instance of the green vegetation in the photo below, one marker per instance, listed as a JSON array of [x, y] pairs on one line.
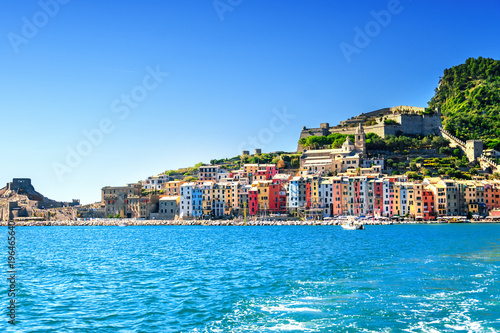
[[418, 168], [282, 159], [390, 122], [452, 166], [469, 98], [334, 140], [404, 143], [261, 158]]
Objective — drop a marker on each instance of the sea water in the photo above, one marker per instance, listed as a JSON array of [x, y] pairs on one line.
[[399, 278]]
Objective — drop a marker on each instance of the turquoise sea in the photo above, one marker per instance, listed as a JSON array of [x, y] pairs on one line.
[[400, 278]]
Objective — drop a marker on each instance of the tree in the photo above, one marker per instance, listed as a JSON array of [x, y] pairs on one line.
[[281, 164], [245, 159], [295, 162], [427, 141], [413, 175], [390, 122], [445, 150], [495, 175], [438, 142], [457, 152]]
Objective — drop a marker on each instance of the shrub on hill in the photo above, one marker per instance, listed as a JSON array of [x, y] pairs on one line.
[[335, 140]]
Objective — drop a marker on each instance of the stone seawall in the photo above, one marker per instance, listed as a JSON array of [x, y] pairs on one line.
[[215, 223]]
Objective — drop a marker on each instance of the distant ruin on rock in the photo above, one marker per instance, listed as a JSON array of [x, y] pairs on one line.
[[19, 199]]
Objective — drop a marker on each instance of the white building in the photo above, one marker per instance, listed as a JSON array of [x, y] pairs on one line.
[[186, 202], [325, 192], [154, 183], [295, 197]]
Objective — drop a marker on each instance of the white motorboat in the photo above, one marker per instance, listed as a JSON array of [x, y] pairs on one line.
[[348, 226], [351, 224]]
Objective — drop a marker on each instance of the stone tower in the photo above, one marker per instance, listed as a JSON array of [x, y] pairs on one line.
[[360, 140], [473, 149]]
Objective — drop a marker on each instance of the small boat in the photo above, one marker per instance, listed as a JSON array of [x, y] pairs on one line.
[[348, 226], [351, 226]]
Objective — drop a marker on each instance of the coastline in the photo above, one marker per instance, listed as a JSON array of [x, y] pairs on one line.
[[134, 222]]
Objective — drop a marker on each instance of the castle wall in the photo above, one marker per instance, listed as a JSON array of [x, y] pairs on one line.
[[409, 123]]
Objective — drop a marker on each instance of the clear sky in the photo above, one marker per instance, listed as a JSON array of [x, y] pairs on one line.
[[160, 84]]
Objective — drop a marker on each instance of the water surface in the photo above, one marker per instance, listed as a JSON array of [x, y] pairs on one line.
[[412, 278]]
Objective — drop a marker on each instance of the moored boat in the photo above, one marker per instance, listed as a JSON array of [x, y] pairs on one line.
[[352, 225]]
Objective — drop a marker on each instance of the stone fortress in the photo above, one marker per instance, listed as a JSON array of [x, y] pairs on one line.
[[19, 199], [408, 120]]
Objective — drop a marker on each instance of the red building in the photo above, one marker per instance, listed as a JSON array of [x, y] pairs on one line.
[[253, 201], [271, 170], [491, 196], [378, 197], [428, 203], [277, 198], [308, 194], [281, 178], [337, 196], [357, 196]]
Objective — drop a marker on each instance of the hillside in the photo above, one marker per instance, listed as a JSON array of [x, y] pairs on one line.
[[284, 160], [469, 98]]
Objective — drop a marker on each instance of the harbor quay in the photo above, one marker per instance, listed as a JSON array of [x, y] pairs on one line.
[[235, 222]]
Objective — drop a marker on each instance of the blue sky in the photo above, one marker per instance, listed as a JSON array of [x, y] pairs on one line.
[[232, 66]]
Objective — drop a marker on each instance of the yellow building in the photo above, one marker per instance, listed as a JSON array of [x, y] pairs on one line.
[[263, 194], [415, 202], [314, 181], [207, 193], [172, 188], [401, 198]]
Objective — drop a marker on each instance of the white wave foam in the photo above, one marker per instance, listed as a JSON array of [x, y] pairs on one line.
[[282, 308], [290, 326]]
